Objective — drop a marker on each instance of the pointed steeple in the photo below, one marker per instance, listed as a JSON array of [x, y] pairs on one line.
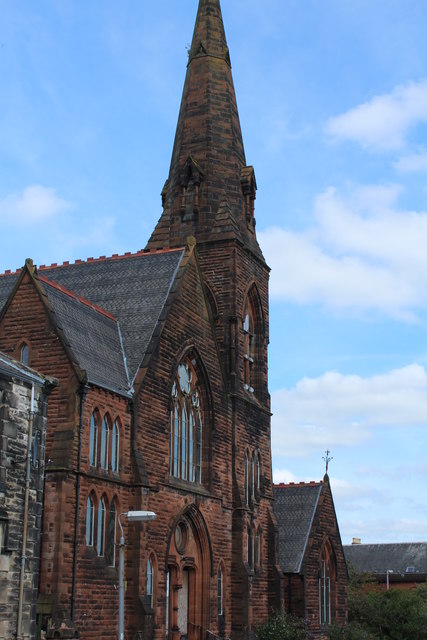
[[208, 166]]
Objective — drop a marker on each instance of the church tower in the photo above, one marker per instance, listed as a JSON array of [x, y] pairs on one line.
[[210, 194]]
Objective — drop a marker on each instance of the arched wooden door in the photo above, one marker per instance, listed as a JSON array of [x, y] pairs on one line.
[[188, 580]]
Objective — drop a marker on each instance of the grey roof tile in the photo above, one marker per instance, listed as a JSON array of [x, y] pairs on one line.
[[7, 282], [294, 508], [94, 339], [133, 288], [378, 558]]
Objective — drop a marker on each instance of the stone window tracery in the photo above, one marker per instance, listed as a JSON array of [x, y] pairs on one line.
[[186, 425]]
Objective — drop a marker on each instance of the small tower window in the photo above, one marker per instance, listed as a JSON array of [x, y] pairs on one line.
[[249, 347]]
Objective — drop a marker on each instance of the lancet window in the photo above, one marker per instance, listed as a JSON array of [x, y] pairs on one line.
[[186, 425], [249, 347], [326, 586]]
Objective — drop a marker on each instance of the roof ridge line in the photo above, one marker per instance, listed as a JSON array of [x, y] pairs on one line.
[[77, 297], [114, 256], [310, 483], [9, 272]]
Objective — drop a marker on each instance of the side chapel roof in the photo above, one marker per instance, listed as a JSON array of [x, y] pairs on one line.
[[108, 309], [295, 507]]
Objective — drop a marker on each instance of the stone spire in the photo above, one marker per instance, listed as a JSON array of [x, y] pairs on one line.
[[210, 192]]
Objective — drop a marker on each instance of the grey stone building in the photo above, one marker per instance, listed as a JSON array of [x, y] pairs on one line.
[[23, 410]]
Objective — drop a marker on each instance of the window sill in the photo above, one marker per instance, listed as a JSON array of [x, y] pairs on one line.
[[186, 485]]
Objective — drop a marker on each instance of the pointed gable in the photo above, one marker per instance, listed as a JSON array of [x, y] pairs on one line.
[[134, 288], [295, 507], [93, 337]]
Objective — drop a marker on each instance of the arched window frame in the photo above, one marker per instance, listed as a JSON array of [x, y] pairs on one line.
[[24, 353], [247, 478], [93, 438], [220, 587], [253, 336], [150, 589], [186, 420], [105, 443], [100, 527], [115, 447], [327, 578], [249, 347], [90, 521], [257, 474]]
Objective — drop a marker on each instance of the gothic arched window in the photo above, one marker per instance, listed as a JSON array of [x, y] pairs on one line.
[[249, 347], [100, 529], [105, 438], [326, 585], [93, 440], [247, 478], [220, 591], [25, 353], [150, 581], [186, 425], [90, 522], [115, 448]]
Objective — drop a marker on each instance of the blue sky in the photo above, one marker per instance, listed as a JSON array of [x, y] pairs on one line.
[[332, 97]]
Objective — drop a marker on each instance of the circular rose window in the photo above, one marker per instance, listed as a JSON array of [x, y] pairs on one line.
[[180, 537]]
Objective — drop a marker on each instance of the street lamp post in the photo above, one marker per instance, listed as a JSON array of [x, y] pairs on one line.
[[132, 516], [388, 581]]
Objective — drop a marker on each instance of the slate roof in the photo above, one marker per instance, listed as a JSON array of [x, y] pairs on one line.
[[401, 558], [294, 507], [7, 283], [93, 336], [134, 288]]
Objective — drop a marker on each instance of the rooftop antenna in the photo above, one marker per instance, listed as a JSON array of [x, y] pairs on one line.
[[327, 458]]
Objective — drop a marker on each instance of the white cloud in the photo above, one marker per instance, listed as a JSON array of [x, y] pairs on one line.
[[361, 252], [283, 475], [413, 163], [343, 410], [35, 204], [383, 123]]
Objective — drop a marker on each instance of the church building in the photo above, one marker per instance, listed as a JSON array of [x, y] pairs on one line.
[[162, 401]]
